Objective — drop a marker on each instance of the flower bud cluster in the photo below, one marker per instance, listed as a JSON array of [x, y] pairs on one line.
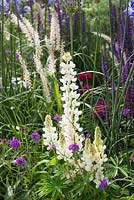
[[50, 135]]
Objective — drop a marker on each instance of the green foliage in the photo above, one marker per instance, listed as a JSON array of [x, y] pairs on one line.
[[44, 176]]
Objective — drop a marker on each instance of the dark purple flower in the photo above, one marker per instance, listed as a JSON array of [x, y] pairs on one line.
[[8, 52], [0, 88], [24, 52], [4, 141], [132, 158], [17, 56], [22, 129], [51, 2], [73, 147], [104, 184], [88, 135], [15, 144], [126, 111], [30, 3], [104, 68], [35, 136], [57, 117], [27, 153], [130, 10], [85, 88], [53, 147], [20, 162], [131, 4]]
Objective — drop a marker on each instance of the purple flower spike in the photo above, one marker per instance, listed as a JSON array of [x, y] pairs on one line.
[[73, 147], [20, 162], [130, 10], [15, 144], [57, 117], [51, 2], [35, 136], [104, 184]]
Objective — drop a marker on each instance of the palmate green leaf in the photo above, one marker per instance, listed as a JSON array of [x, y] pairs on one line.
[[116, 187], [123, 171], [115, 172], [51, 187], [78, 189]]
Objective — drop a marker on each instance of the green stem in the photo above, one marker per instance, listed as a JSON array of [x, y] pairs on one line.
[[71, 33], [115, 108], [2, 46]]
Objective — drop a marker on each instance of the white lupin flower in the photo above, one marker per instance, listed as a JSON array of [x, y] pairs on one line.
[[90, 157], [94, 157], [69, 123]]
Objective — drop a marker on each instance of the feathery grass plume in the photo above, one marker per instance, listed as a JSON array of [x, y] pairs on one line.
[[51, 61], [23, 28], [62, 52], [40, 14], [55, 31], [26, 75], [33, 37], [54, 43], [40, 70]]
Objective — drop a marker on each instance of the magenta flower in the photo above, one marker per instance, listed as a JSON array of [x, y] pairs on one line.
[[35, 136], [101, 109], [20, 162], [85, 77], [15, 144], [73, 147], [85, 88], [132, 158], [104, 184]]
